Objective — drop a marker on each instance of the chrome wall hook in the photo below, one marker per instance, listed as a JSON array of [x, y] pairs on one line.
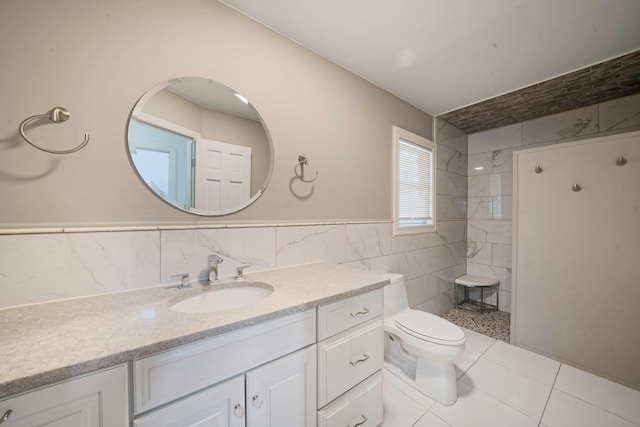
[[538, 169], [57, 115], [576, 188], [302, 162], [621, 161]]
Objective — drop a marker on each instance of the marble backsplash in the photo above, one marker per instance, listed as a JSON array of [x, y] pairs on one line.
[[490, 177], [50, 266]]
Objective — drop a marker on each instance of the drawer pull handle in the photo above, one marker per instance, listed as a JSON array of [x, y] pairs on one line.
[[256, 401], [238, 411], [5, 417], [364, 420], [364, 359], [365, 311]]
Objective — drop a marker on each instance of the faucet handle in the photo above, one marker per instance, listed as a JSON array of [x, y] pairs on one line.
[[240, 269], [184, 280]]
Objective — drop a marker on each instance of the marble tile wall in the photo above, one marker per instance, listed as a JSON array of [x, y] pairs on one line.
[[47, 266], [490, 177]]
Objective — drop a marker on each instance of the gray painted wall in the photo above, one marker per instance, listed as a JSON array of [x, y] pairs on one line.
[[96, 58]]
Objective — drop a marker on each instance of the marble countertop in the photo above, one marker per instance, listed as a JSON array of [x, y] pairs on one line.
[[49, 342]]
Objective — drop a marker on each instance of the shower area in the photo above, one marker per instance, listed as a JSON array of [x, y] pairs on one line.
[[576, 254]]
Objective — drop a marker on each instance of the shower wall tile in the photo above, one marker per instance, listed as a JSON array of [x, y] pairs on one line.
[[479, 186], [450, 137], [452, 231], [579, 122], [502, 207], [479, 252], [620, 113], [504, 304], [303, 244], [44, 267], [451, 207], [501, 255], [489, 231], [187, 251], [368, 240], [480, 208], [502, 160], [451, 160], [480, 164], [495, 139], [501, 184], [451, 184]]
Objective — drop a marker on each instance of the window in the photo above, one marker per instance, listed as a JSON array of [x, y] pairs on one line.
[[413, 183]]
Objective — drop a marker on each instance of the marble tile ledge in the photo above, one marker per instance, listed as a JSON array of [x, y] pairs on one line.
[[163, 227], [50, 342]]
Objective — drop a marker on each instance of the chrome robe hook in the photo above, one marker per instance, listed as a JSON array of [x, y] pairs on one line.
[[302, 161], [57, 115]]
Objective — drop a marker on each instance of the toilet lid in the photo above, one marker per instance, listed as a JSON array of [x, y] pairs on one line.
[[429, 327]]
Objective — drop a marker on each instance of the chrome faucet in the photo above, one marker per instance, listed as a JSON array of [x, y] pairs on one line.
[[214, 260]]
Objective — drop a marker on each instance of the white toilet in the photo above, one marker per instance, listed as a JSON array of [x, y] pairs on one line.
[[420, 347]]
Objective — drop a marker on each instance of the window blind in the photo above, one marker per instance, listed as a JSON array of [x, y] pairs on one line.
[[415, 176]]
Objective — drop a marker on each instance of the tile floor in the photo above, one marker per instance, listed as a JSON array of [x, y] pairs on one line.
[[503, 385]]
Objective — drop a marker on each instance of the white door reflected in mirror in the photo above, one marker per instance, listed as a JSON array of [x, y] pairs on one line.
[[199, 146]]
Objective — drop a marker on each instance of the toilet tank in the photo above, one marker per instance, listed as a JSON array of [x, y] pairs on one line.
[[395, 295]]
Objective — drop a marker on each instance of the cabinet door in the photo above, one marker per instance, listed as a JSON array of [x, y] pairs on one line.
[[360, 406], [219, 406], [282, 393], [348, 358], [94, 400]]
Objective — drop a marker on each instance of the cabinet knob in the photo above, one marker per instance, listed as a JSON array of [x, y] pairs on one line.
[[238, 410], [365, 311], [256, 401], [5, 417], [364, 420], [364, 358]]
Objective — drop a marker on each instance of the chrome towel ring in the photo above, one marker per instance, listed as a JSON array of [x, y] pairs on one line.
[[302, 161], [57, 115]]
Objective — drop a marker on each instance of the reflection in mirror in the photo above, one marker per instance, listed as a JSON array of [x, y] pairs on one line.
[[200, 146]]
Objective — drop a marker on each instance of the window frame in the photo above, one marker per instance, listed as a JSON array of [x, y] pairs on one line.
[[400, 134]]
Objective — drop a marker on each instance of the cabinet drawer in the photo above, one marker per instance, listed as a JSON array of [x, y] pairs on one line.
[[170, 375], [361, 406], [348, 358], [342, 315], [220, 405], [99, 399]]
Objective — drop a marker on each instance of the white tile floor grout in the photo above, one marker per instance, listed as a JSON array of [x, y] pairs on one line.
[[503, 385]]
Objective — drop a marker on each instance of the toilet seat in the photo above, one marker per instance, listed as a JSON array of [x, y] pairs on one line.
[[428, 327]]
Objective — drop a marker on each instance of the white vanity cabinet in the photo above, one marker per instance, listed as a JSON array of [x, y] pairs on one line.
[[94, 400], [264, 375], [282, 393], [350, 359], [219, 406]]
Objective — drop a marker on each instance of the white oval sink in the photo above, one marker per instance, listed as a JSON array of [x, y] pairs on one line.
[[224, 298]]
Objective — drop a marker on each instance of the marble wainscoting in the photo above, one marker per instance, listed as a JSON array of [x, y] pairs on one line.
[[50, 266], [490, 177]]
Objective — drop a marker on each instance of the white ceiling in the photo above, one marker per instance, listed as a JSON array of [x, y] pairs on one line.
[[441, 55]]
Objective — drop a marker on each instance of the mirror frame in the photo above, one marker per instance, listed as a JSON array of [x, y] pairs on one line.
[[137, 108]]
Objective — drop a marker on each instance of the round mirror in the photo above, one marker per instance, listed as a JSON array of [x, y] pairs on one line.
[[200, 146]]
